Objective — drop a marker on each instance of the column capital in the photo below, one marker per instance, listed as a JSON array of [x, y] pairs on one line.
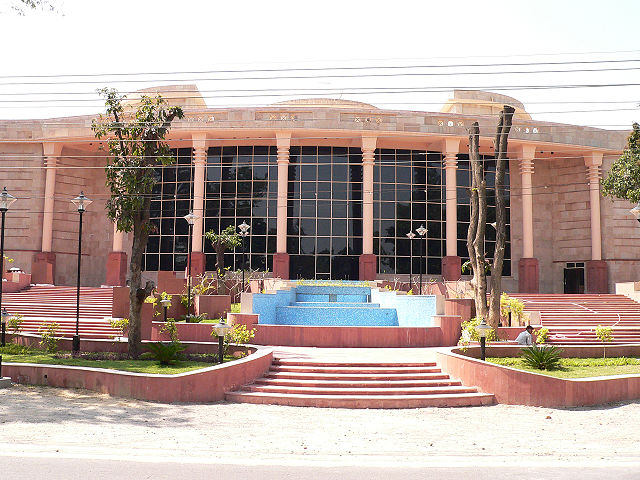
[[369, 143], [594, 173], [283, 142], [451, 146], [593, 159], [199, 141], [51, 149]]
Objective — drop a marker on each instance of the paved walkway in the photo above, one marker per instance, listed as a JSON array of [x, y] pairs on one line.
[[58, 423]]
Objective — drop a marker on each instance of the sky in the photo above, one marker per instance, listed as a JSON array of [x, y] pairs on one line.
[[394, 54]]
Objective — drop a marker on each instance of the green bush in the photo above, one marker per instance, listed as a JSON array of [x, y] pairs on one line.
[[604, 334], [170, 328], [121, 324], [470, 332], [48, 331], [541, 358], [165, 353], [15, 323], [239, 334], [542, 335]]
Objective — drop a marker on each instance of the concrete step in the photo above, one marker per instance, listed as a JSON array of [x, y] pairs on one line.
[[355, 376], [363, 401], [371, 383]]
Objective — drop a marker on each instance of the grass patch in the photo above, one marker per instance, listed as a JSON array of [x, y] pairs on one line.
[[235, 308], [579, 367], [18, 354]]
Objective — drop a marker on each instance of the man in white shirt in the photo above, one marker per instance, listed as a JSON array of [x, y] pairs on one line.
[[525, 338]]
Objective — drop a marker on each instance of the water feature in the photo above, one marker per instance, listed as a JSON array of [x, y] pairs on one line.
[[343, 304]]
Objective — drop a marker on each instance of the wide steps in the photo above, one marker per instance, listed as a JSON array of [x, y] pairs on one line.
[[323, 383], [363, 401]]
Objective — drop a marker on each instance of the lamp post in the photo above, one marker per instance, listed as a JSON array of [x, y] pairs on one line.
[[190, 218], [6, 200], [165, 302], [410, 236], [483, 330], [81, 202], [244, 231], [422, 232], [5, 318], [221, 329]]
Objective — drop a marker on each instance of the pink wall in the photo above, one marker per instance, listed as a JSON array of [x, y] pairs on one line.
[[207, 385], [518, 387]]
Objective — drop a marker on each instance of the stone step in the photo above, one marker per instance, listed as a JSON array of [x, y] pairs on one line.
[[308, 390], [307, 363], [354, 370], [357, 383], [363, 401], [355, 376]]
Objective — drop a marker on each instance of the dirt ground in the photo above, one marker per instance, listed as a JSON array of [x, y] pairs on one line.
[[43, 421]]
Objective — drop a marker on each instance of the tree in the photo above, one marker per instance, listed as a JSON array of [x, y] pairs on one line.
[[136, 146], [225, 240], [478, 220], [623, 180]]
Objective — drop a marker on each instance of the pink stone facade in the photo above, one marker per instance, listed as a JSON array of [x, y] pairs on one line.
[[554, 173]]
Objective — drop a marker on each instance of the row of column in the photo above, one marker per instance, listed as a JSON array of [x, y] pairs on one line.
[[44, 262]]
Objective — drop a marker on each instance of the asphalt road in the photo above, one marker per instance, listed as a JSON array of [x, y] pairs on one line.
[[116, 469]]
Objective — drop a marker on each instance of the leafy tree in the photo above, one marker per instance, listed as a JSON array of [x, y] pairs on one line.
[[225, 240], [136, 146], [623, 180]]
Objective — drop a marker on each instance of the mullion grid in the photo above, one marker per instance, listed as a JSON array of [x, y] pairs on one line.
[[171, 200], [401, 183]]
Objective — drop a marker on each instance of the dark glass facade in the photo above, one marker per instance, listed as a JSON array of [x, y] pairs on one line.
[[324, 209], [324, 212]]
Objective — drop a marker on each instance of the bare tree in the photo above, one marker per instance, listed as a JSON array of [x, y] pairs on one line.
[[478, 220]]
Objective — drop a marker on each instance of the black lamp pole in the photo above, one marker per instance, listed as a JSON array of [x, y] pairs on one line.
[[422, 232], [6, 200], [81, 202], [189, 271], [244, 231], [410, 236]]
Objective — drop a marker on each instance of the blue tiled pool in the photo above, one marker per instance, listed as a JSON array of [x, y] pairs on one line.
[[318, 305]]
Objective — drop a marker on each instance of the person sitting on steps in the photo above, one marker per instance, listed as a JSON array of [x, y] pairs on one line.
[[526, 337]]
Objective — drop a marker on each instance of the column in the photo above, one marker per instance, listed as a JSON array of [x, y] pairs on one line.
[[368, 261], [43, 263], [281, 258], [117, 261], [528, 267], [597, 275], [197, 257], [451, 262]]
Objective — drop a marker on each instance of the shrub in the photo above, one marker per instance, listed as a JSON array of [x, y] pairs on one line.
[[15, 323], [604, 334], [48, 331], [513, 306], [542, 335], [195, 318], [165, 353], [170, 328], [239, 334], [541, 358], [470, 332], [121, 324]]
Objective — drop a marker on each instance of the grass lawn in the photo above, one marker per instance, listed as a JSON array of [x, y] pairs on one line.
[[18, 354], [579, 367]]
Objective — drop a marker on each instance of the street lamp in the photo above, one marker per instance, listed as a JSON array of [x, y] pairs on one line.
[[221, 329], [6, 200], [81, 202], [635, 211], [483, 330], [423, 233], [410, 236], [5, 319], [165, 302], [191, 219], [244, 231]]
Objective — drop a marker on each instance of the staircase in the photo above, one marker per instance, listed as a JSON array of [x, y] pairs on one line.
[[47, 303], [309, 383], [572, 319]]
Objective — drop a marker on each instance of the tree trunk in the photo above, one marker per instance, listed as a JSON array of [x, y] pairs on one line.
[[477, 224], [501, 144], [137, 294], [221, 287]]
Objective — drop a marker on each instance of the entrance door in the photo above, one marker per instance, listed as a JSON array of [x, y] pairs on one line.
[[574, 278]]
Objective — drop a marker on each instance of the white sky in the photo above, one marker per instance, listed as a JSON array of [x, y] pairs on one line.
[[118, 36]]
